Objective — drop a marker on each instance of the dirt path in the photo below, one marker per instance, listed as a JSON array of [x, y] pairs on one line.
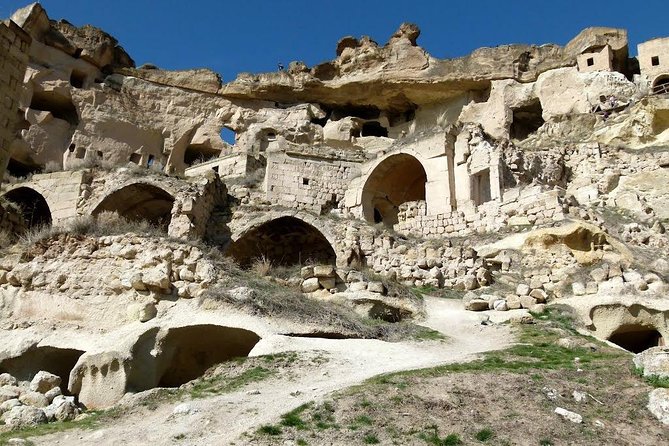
[[223, 419]]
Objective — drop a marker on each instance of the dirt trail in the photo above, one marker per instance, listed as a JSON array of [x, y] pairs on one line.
[[222, 419]]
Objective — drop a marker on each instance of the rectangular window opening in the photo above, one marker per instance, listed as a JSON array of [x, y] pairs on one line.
[[305, 181], [590, 61], [655, 61]]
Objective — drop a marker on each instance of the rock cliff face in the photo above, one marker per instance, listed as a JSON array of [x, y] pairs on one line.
[[518, 176]]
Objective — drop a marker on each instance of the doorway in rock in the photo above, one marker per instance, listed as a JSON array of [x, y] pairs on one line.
[[396, 180], [33, 206], [140, 201], [283, 241], [186, 353], [636, 338]]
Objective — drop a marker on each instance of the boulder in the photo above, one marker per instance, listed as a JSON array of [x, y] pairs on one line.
[[658, 404], [578, 289], [34, 399], [500, 305], [44, 381], [9, 404], [539, 294], [142, 312], [569, 415], [157, 278], [24, 416], [8, 394], [522, 289], [513, 302], [7, 380], [307, 272], [324, 271], [528, 302], [53, 393], [310, 285], [357, 286], [654, 361], [477, 305], [65, 411], [376, 287]]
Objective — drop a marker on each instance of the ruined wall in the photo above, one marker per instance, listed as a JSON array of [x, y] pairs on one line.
[[308, 182], [14, 44]]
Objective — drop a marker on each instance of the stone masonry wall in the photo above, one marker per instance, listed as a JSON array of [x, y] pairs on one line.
[[314, 184], [520, 207], [14, 44]]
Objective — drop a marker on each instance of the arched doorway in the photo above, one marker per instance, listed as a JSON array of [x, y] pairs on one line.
[[140, 201], [283, 241], [636, 338], [661, 84], [33, 206], [396, 180]]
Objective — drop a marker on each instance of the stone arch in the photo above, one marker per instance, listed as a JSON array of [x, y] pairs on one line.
[[59, 361], [185, 353], [661, 84], [283, 240], [34, 207], [139, 201], [394, 180], [636, 337]]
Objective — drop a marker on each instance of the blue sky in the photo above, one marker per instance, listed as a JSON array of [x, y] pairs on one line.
[[244, 35]]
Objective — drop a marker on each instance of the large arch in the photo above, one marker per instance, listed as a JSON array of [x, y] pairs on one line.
[[397, 179], [34, 207], [283, 241], [139, 201]]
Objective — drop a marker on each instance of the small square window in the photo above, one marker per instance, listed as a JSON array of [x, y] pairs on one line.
[[305, 181], [590, 61], [655, 61]]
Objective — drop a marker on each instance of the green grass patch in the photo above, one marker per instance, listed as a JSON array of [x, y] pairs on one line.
[[431, 437], [93, 420], [218, 385], [371, 439], [422, 333], [270, 429], [294, 417], [652, 380], [484, 434]]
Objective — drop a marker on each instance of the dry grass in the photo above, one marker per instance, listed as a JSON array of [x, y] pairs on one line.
[[105, 223]]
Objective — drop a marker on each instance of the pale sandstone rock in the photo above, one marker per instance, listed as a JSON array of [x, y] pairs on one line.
[[34, 399], [539, 295], [24, 416], [658, 404], [8, 394], [44, 381], [310, 285], [523, 289], [569, 415], [53, 393], [477, 305], [6, 406], [324, 271], [654, 361], [7, 380]]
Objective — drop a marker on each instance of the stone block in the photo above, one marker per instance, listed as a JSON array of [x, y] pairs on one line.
[[310, 285], [324, 271]]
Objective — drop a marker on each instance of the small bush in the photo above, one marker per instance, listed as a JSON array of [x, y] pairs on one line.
[[371, 439], [484, 435], [262, 266], [269, 429]]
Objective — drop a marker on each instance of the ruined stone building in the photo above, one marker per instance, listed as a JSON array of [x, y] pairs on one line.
[[384, 158]]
